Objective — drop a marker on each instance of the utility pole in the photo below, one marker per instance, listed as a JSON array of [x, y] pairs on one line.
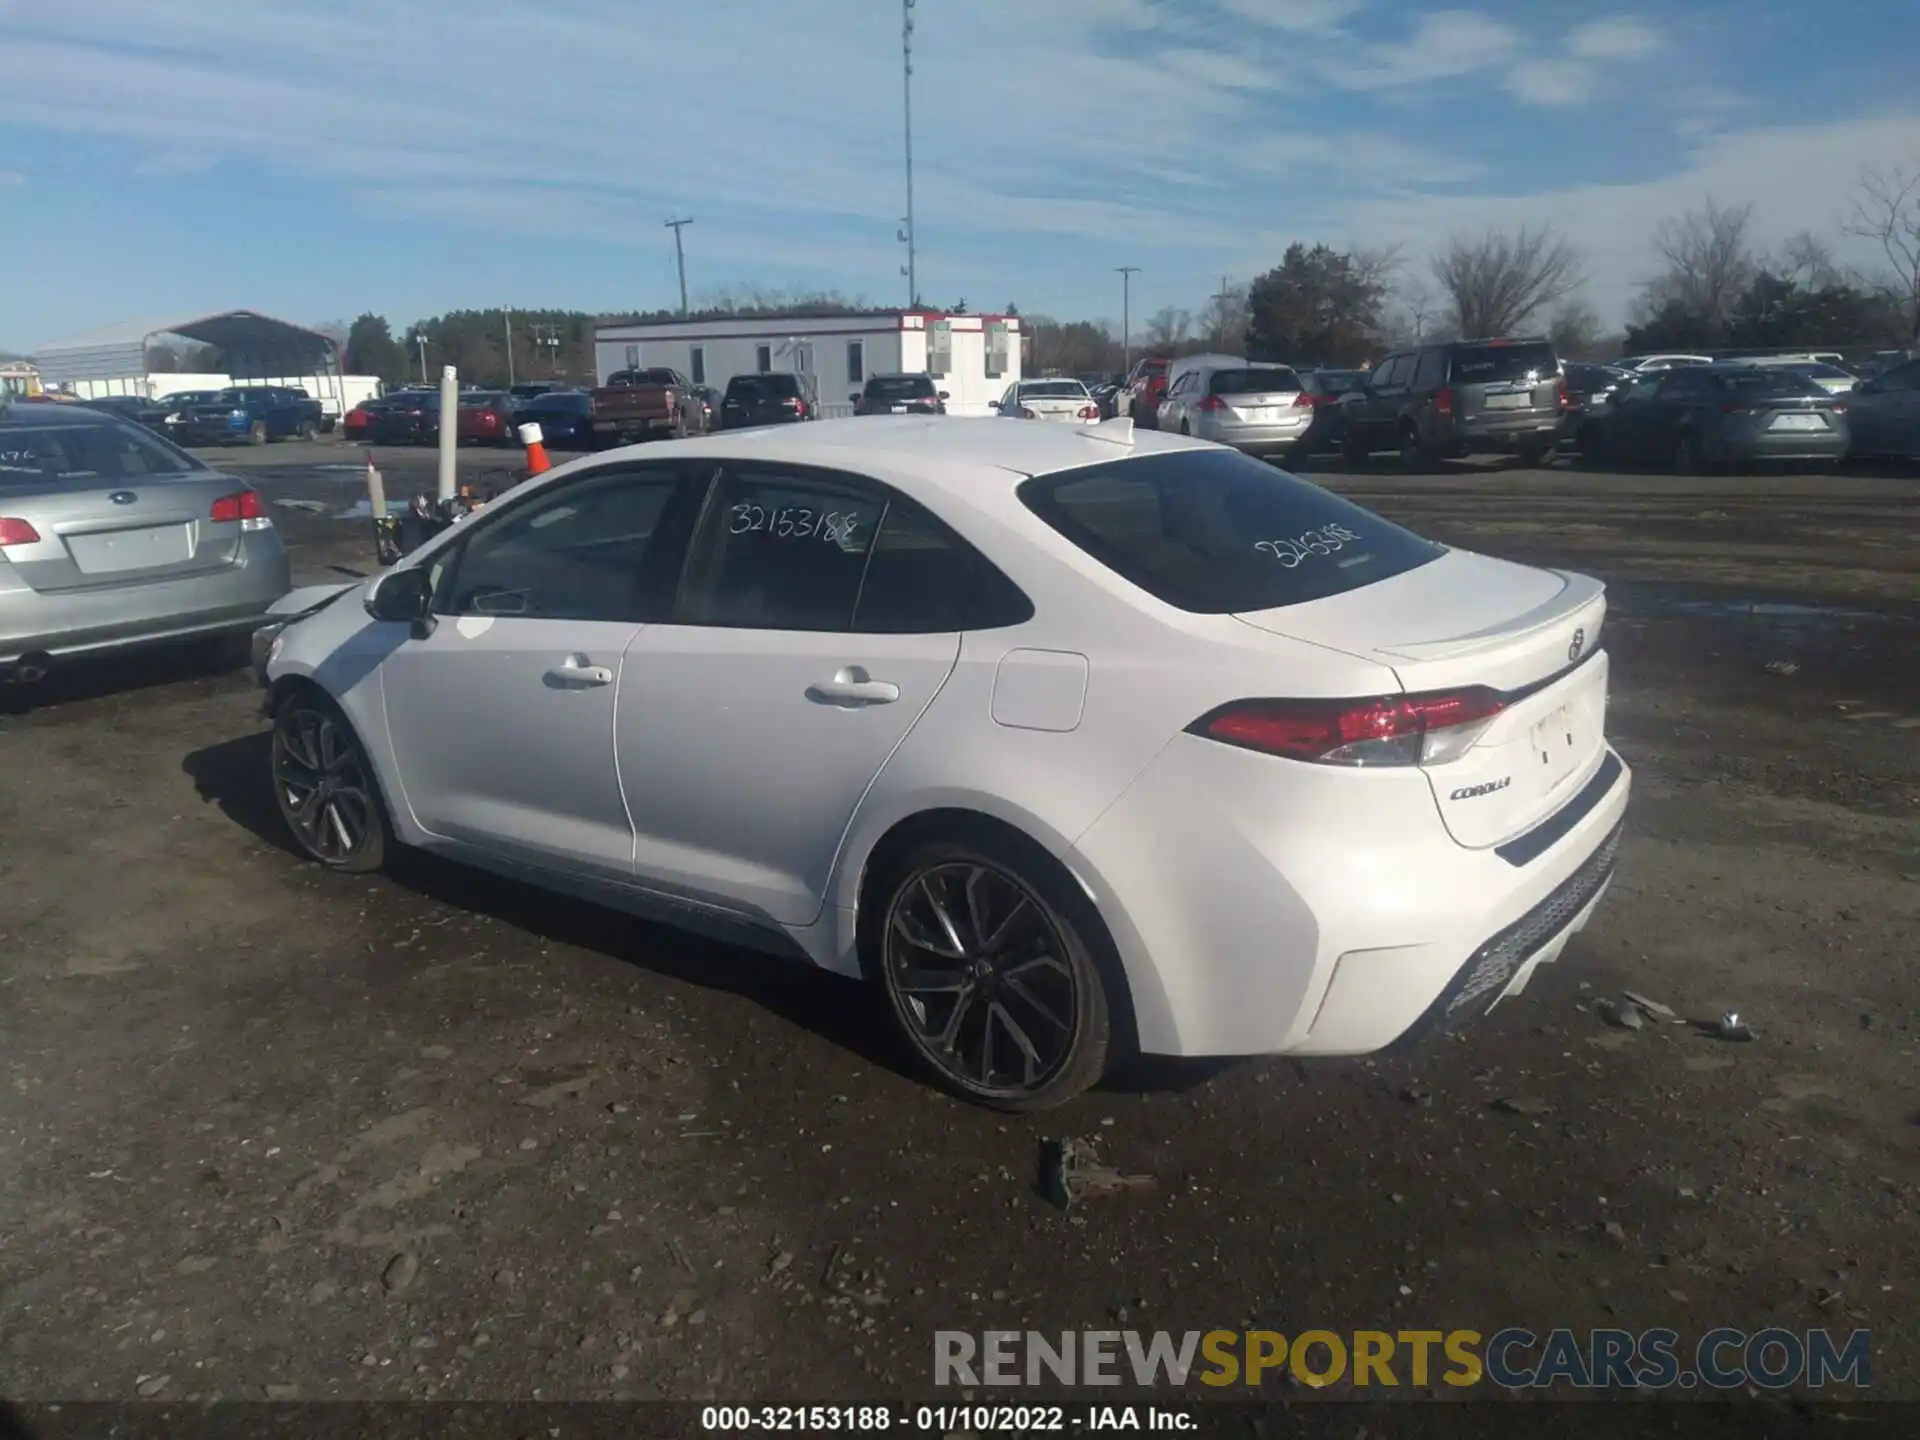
[[1220, 314], [509, 317], [906, 65], [1127, 272], [422, 340], [680, 258]]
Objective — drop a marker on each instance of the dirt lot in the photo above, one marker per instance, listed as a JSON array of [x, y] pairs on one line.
[[269, 1132]]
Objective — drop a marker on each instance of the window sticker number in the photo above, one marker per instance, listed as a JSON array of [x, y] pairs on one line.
[[1292, 552], [794, 522]]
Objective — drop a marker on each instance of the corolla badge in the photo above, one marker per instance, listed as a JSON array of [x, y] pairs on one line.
[[123, 497], [1579, 644], [1474, 792]]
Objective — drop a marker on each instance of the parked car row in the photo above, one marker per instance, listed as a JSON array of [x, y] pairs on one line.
[[242, 414]]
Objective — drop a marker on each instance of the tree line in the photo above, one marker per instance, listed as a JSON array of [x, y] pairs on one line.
[[1715, 286]]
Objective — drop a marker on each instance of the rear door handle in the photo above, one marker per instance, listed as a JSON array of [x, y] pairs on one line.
[[576, 670], [853, 687]]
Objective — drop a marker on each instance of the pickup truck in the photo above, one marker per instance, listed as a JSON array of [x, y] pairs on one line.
[[253, 414], [642, 404]]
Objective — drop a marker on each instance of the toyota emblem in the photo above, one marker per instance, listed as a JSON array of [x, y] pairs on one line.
[[123, 497], [1579, 644]]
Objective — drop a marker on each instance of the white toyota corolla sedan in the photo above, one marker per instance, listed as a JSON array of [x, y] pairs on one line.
[[1075, 741]]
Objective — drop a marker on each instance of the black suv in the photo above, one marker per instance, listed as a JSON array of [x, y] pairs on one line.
[[1462, 398], [900, 395], [776, 399]]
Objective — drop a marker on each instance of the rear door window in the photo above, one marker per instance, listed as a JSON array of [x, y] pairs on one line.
[[1218, 533], [1255, 380], [1431, 371], [1499, 364]]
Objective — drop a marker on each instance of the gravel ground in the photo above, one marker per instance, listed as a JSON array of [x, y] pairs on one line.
[[266, 1132]]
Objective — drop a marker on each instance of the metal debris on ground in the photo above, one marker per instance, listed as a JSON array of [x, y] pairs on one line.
[[1072, 1171], [1652, 1009], [1622, 1014], [1781, 667], [1520, 1105], [1730, 1027]]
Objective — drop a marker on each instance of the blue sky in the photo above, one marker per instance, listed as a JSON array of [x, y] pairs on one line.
[[317, 158]]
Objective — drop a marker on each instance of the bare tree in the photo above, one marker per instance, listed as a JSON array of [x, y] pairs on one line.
[[1168, 326], [1225, 319], [1807, 260], [1886, 210], [1413, 319], [1574, 330], [1498, 282], [1710, 262]]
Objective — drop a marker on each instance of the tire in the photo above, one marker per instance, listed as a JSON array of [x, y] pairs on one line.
[[1413, 455], [257, 433], [1534, 456], [1686, 455], [1184, 430], [304, 430], [679, 431], [1036, 974], [324, 785]]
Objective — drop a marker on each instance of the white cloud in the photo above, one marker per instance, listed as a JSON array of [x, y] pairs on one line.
[[1296, 16], [1445, 44], [12, 177], [1616, 39], [1213, 67], [1550, 82]]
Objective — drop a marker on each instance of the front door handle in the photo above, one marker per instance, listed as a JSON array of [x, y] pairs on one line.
[[576, 670], [852, 687]]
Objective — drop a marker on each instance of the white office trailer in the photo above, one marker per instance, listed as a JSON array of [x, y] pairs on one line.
[[972, 357]]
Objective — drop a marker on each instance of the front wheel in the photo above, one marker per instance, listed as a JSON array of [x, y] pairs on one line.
[[325, 787], [257, 433], [989, 978], [1413, 455]]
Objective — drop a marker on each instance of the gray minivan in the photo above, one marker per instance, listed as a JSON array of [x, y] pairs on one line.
[[1465, 397]]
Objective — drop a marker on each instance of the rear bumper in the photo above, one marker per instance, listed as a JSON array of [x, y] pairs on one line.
[[1256, 439], [1264, 907], [75, 623], [634, 425], [207, 434], [1764, 446], [1481, 436]]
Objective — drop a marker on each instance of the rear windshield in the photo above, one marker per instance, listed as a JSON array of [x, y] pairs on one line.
[[1478, 364], [1338, 382], [1054, 390], [37, 455], [1770, 380], [763, 387], [1591, 377], [1215, 532], [1262, 381], [563, 403], [900, 387]]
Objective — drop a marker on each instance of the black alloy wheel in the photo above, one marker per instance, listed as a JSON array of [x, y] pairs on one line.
[[991, 983], [325, 787]]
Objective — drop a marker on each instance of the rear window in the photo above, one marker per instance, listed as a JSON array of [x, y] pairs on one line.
[[1219, 532], [38, 455], [1818, 370], [1483, 364], [1338, 382], [763, 387], [1771, 380], [1264, 380], [900, 387], [1054, 390]]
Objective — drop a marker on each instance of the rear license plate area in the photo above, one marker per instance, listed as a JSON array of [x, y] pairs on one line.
[[1556, 742], [107, 552], [1508, 402], [1797, 423]]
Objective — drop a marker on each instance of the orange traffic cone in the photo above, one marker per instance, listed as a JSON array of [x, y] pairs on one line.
[[537, 461]]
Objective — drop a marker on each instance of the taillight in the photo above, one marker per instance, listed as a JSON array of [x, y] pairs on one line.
[[1305, 400], [1428, 729], [239, 507], [1566, 400], [17, 532], [1089, 412], [1210, 403], [1443, 401], [1839, 407]]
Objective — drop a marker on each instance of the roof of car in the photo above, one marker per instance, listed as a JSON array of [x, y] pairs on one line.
[[897, 441], [41, 413]]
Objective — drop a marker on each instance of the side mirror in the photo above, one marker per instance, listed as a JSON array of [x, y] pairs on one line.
[[945, 396], [404, 597]]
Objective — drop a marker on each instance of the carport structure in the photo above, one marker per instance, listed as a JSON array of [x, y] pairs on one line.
[[253, 347]]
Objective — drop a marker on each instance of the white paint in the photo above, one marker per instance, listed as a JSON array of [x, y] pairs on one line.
[[472, 627]]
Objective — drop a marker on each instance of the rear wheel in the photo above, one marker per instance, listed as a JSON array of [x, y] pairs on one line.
[[325, 786], [257, 433], [1413, 455], [988, 976], [304, 430], [1534, 456]]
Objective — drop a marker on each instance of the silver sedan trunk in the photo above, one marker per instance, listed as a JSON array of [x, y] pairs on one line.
[[111, 538]]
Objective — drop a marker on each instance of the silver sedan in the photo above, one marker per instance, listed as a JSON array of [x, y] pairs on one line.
[[111, 538]]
